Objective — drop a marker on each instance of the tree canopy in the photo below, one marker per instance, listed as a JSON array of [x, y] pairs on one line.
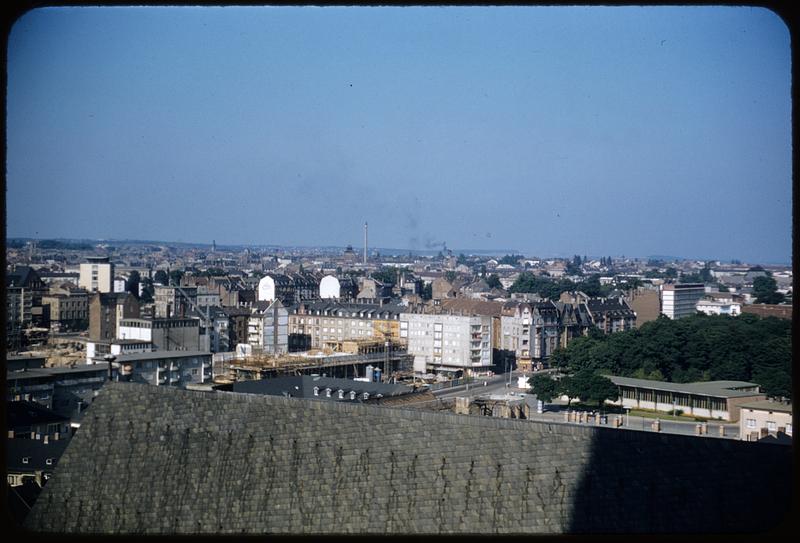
[[765, 290], [696, 348], [493, 281]]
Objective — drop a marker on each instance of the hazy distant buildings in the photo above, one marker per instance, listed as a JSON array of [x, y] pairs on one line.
[[97, 275], [680, 300]]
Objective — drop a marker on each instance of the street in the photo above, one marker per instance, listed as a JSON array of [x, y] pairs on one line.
[[555, 411]]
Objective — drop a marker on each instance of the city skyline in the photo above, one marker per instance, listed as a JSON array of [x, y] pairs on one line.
[[612, 131]]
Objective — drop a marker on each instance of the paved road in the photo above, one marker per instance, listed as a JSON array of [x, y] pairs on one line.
[[554, 412]]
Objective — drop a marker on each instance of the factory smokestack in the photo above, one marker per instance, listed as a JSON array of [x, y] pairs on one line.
[[365, 242]]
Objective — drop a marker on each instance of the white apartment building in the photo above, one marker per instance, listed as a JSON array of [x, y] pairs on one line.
[[448, 343], [680, 300], [714, 307], [268, 328], [97, 275]]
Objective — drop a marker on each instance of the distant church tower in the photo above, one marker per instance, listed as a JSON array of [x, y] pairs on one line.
[[213, 246]]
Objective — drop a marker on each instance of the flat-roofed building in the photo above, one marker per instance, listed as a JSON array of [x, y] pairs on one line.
[[178, 334], [97, 274], [159, 368], [680, 300], [709, 399], [713, 307]]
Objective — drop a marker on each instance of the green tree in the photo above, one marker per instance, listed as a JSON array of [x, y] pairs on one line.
[[450, 275], [765, 290], [147, 290], [161, 277], [132, 284], [175, 277], [544, 387], [427, 291], [493, 281], [590, 387]]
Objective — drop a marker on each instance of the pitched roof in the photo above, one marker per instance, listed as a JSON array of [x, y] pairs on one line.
[[719, 389], [163, 460]]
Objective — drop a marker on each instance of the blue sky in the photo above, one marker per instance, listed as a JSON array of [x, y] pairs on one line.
[[555, 131]]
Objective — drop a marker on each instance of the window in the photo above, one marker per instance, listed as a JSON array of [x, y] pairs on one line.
[[366, 396], [49, 461], [316, 391], [771, 425], [352, 394], [328, 392], [341, 394], [751, 423], [25, 459]]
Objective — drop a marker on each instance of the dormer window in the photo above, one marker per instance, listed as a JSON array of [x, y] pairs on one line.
[[352, 395], [328, 392], [366, 396], [341, 394], [316, 391], [26, 459], [49, 461]]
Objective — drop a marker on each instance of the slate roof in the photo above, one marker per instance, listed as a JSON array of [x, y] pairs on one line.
[[164, 460], [36, 451], [472, 306]]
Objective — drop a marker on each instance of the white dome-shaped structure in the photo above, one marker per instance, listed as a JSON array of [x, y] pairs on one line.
[[329, 287], [266, 289]]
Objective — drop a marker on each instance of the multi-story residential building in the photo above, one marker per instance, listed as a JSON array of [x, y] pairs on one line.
[[611, 314], [173, 334], [174, 301], [714, 307], [315, 324], [239, 318], [24, 291], [646, 303], [66, 390], [763, 419], [680, 300], [107, 310], [158, 368], [289, 289], [97, 275], [68, 307], [545, 330], [448, 343], [268, 328], [374, 292]]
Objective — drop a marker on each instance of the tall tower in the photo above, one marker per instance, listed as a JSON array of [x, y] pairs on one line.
[[365, 242]]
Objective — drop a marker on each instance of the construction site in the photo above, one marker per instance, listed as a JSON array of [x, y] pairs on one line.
[[374, 359]]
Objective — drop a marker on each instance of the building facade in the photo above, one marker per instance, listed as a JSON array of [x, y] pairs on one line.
[[680, 300], [97, 275], [107, 310], [764, 418], [448, 343], [175, 334]]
